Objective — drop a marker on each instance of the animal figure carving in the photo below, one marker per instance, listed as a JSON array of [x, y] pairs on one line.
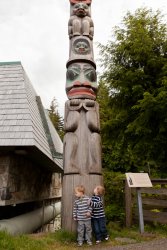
[[80, 23]]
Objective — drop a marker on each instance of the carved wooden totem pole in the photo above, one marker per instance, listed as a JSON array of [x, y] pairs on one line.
[[82, 141]]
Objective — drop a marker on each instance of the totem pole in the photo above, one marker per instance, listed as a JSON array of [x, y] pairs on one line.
[[82, 141]]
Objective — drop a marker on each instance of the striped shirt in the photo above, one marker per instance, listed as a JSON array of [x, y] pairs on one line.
[[81, 207], [97, 207]]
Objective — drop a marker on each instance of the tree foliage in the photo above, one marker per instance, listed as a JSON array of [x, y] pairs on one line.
[[114, 196], [133, 94], [56, 118]]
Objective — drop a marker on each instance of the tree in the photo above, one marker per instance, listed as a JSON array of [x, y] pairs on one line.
[[134, 128], [55, 117]]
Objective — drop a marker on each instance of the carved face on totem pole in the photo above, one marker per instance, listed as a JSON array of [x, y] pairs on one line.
[[81, 47], [81, 9], [81, 81]]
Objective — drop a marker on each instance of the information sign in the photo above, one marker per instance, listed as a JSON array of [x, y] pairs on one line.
[[138, 180]]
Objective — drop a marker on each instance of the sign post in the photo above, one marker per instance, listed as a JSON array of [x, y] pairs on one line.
[[140, 210], [138, 180]]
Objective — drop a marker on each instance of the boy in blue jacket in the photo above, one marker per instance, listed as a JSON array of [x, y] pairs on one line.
[[98, 215]]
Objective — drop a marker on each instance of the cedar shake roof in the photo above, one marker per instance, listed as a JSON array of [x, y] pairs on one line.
[[25, 126]]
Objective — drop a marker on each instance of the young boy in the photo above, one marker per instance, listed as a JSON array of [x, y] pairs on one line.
[[98, 215], [82, 214]]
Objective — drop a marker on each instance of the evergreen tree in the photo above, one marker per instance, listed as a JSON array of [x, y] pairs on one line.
[[56, 118], [134, 127]]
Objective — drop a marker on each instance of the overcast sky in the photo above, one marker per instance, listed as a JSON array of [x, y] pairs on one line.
[[35, 33]]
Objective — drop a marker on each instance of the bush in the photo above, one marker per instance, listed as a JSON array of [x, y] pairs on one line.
[[114, 196]]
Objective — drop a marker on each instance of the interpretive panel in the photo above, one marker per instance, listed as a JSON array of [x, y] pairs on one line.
[[138, 180]]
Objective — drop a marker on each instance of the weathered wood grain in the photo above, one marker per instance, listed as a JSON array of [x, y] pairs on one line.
[[82, 142], [155, 203], [157, 200], [160, 191], [151, 216], [69, 183], [128, 204]]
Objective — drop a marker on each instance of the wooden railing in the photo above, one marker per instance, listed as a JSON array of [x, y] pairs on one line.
[[154, 202]]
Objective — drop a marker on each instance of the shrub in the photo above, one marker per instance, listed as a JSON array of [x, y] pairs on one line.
[[114, 196]]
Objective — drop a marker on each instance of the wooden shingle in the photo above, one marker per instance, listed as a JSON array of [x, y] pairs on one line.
[[21, 122]]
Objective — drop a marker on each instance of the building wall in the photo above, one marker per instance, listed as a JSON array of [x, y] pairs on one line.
[[22, 180]]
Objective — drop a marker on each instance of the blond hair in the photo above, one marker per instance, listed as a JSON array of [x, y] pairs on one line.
[[80, 189], [100, 190]]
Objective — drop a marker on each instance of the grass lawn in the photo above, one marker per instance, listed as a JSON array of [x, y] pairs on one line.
[[67, 241]]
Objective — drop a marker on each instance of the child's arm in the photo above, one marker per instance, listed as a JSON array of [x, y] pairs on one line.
[[89, 211]]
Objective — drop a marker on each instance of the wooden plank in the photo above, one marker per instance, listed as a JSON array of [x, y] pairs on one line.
[[14, 106], [12, 86], [13, 101], [12, 91], [159, 181], [16, 79], [6, 71], [14, 111], [156, 203], [128, 205], [161, 191], [15, 128], [17, 142], [10, 66], [10, 75], [151, 216]]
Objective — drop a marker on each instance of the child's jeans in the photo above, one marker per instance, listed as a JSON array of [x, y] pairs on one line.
[[99, 228], [84, 230]]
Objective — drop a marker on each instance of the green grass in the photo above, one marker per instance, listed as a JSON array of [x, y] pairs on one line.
[[67, 241], [8, 242]]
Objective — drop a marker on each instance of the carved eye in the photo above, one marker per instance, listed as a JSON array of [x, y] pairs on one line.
[[86, 7], [77, 6], [91, 75], [71, 75]]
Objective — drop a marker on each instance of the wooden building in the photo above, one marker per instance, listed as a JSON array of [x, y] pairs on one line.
[[30, 147]]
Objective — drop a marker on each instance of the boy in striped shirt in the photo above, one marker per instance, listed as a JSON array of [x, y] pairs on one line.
[[82, 214], [98, 215]]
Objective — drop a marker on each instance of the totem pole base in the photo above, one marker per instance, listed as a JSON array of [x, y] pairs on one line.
[[69, 183]]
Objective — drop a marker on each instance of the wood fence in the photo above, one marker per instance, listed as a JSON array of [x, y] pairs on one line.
[[154, 202]]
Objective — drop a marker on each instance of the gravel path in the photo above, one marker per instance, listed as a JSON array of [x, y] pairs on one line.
[[160, 244], [151, 245]]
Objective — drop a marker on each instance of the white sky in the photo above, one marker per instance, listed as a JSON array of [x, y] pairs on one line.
[[35, 33]]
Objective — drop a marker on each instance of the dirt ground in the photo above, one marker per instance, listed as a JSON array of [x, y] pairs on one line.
[[160, 244]]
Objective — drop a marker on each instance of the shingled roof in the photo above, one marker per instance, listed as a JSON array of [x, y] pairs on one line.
[[25, 126]]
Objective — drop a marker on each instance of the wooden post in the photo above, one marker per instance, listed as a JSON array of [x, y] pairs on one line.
[[140, 209], [128, 205]]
